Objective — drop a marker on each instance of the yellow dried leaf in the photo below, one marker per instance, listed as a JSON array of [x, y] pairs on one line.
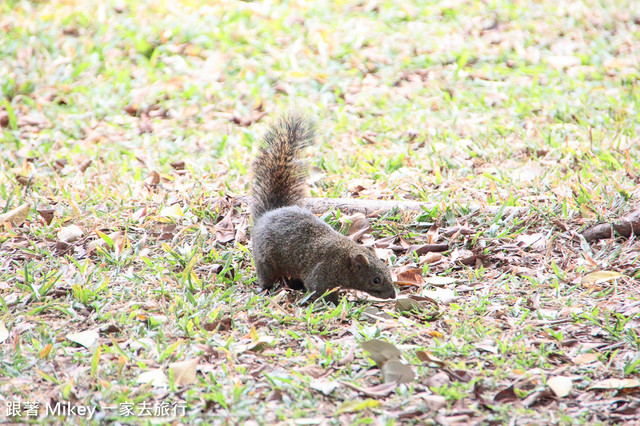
[[44, 353], [599, 277], [174, 212], [16, 216], [184, 372]]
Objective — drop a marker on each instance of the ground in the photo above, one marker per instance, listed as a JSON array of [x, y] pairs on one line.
[[127, 287]]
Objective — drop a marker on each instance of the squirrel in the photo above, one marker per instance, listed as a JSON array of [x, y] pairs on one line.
[[288, 241]]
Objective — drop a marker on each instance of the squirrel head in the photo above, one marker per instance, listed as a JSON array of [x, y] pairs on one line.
[[371, 274]]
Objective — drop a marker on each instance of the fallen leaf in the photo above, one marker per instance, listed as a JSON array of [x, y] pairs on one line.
[[426, 356], [178, 164], [560, 385], [380, 351], [152, 179], [434, 402], [416, 304], [84, 166], [257, 345], [488, 347], [534, 397], [443, 295], [225, 230], [47, 215], [377, 391], [438, 281], [4, 333], [506, 395], [587, 358], [184, 372], [174, 212], [16, 216], [438, 380], [359, 226], [70, 233], [395, 370], [607, 384], [428, 248], [432, 234], [324, 386], [599, 277], [536, 241], [155, 377], [406, 304], [430, 258], [411, 276], [85, 338]]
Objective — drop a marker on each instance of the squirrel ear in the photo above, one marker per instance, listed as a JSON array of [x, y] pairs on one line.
[[359, 261]]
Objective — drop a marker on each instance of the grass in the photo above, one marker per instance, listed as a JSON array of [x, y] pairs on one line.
[[530, 104]]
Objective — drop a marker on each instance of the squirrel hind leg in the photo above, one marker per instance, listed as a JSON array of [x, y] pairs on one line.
[[294, 283], [267, 277]]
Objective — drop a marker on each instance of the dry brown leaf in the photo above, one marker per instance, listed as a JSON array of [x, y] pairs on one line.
[[433, 402], [438, 380], [84, 166], [85, 338], [427, 356], [358, 227], [253, 117], [225, 230], [184, 372], [178, 164], [608, 384], [560, 385], [432, 234], [70, 233], [412, 276], [506, 395], [16, 216], [47, 215], [152, 179], [587, 358], [380, 351], [430, 258], [397, 371], [377, 391]]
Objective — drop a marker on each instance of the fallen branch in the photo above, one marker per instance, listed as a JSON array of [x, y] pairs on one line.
[[626, 226], [379, 207]]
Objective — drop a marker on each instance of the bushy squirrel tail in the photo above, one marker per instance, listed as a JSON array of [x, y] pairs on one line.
[[279, 172]]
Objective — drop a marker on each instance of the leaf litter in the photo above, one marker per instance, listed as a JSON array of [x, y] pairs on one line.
[[492, 306]]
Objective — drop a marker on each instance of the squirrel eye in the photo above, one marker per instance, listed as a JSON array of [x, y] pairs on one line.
[[376, 280]]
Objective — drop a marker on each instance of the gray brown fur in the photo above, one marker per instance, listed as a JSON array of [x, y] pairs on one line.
[[291, 243]]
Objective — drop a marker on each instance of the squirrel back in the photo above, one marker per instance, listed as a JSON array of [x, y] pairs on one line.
[[289, 242], [280, 174]]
